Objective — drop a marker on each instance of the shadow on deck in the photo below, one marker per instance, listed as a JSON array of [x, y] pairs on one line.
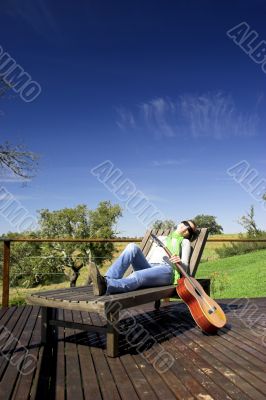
[[164, 357]]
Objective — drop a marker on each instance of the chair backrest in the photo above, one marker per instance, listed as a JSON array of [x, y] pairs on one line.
[[197, 244]]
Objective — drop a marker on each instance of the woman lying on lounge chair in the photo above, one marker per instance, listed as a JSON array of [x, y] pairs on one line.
[[148, 271]]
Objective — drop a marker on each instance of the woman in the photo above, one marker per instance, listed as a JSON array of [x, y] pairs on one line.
[[147, 271]]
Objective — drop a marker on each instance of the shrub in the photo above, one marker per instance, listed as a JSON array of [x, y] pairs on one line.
[[236, 248]]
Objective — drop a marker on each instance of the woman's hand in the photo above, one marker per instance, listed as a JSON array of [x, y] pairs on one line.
[[175, 259]]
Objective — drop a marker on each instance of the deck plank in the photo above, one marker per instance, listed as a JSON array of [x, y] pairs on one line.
[[107, 384], [89, 377], [29, 367], [73, 377]]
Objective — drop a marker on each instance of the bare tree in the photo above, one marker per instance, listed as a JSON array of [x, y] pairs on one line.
[[19, 160], [249, 223], [16, 158]]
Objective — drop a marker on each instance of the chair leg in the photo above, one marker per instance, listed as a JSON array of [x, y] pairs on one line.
[[47, 314], [112, 339], [157, 304]]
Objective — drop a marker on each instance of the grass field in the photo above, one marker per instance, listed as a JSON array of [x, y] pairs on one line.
[[237, 276]]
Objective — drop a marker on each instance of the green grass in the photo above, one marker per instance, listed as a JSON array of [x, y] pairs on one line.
[[238, 276]]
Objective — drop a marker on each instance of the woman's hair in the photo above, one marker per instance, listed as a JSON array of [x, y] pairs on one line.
[[191, 236], [194, 223]]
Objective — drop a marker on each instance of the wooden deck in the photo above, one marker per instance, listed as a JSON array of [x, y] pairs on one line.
[[230, 365]]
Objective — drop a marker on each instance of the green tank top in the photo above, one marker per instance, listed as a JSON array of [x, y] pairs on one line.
[[173, 243]]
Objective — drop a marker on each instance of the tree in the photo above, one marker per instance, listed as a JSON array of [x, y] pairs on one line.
[[208, 221], [248, 222], [17, 159], [66, 223], [79, 222], [102, 221], [166, 224]]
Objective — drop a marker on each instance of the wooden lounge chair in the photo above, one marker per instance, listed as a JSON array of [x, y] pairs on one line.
[[82, 298]]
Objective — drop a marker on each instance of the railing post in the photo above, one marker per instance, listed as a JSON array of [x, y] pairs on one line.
[[6, 271]]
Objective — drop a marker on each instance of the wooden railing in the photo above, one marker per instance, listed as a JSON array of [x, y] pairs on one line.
[[7, 253]]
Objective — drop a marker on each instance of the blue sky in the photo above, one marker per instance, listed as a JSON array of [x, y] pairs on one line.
[[158, 88]]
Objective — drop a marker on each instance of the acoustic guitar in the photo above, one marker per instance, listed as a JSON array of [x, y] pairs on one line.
[[207, 314]]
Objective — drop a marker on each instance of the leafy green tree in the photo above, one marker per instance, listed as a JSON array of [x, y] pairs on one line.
[[65, 223], [166, 224], [79, 222], [208, 221], [102, 221]]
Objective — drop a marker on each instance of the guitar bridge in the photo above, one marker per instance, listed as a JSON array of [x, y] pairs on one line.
[[212, 310]]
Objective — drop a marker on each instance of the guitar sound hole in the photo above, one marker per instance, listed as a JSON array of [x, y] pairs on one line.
[[212, 310]]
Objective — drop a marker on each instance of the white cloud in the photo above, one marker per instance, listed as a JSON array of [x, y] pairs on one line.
[[213, 115], [158, 114], [126, 118]]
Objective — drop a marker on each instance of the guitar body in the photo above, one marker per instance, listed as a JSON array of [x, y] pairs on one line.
[[207, 314]]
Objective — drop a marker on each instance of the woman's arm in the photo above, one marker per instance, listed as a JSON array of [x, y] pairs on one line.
[[185, 254]]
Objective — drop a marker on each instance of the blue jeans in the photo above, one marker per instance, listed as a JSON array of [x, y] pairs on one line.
[[144, 274]]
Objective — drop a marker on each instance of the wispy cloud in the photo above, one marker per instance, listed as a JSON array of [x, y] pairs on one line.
[[159, 116], [213, 115], [125, 118]]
